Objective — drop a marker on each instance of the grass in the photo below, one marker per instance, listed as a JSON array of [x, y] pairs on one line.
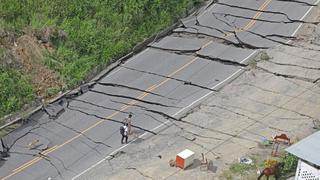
[[239, 168], [16, 91], [97, 33], [249, 172]]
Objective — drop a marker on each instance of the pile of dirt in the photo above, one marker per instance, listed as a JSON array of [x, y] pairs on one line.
[[28, 52]]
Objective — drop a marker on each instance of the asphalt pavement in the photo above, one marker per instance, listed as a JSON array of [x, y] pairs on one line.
[[158, 85]]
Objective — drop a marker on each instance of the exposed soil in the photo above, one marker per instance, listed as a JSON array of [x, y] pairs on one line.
[[25, 53], [29, 52]]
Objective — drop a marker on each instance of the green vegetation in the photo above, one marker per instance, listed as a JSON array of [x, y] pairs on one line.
[[248, 172], [95, 32], [15, 89], [290, 164], [240, 168], [241, 171]]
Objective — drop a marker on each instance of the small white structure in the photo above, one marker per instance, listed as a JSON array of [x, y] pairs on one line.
[[184, 159], [306, 171], [308, 152]]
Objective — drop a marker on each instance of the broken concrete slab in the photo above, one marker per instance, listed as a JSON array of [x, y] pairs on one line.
[[179, 44], [221, 51], [54, 110], [215, 33]]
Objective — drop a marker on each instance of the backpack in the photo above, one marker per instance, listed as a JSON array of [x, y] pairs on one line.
[[122, 130]]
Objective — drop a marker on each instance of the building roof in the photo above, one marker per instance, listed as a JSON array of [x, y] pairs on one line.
[[307, 149]]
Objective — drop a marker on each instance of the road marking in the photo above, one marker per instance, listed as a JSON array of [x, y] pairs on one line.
[[190, 105], [151, 88], [154, 86], [253, 20], [29, 163], [294, 33], [175, 114]]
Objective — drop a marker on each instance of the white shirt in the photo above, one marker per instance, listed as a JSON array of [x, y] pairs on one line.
[[125, 130]]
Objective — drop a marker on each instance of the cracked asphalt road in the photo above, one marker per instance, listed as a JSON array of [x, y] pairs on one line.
[[158, 85]]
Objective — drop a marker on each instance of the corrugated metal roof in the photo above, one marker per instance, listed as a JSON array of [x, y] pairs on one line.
[[307, 149]]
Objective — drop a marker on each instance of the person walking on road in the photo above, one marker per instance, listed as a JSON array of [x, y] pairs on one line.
[[124, 133], [127, 121]]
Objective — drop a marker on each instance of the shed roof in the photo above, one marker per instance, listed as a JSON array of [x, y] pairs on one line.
[[307, 149]]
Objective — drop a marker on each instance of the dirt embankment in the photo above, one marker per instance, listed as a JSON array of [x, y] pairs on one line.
[[26, 54]]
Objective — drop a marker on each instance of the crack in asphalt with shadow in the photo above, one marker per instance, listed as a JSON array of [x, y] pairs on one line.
[[28, 132], [176, 79], [108, 119], [298, 2], [132, 98], [209, 27], [266, 12], [195, 53], [288, 76], [84, 135], [290, 21], [43, 156], [168, 117], [99, 106], [133, 88], [294, 65]]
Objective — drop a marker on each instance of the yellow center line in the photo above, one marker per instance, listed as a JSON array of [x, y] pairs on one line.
[[44, 153], [256, 16], [132, 102], [29, 163]]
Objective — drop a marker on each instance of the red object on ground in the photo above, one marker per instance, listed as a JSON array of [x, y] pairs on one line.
[[184, 159]]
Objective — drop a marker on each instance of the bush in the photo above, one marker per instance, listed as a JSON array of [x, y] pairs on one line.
[[16, 90], [290, 163]]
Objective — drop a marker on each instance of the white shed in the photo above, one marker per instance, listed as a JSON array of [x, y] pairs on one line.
[[308, 152]]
